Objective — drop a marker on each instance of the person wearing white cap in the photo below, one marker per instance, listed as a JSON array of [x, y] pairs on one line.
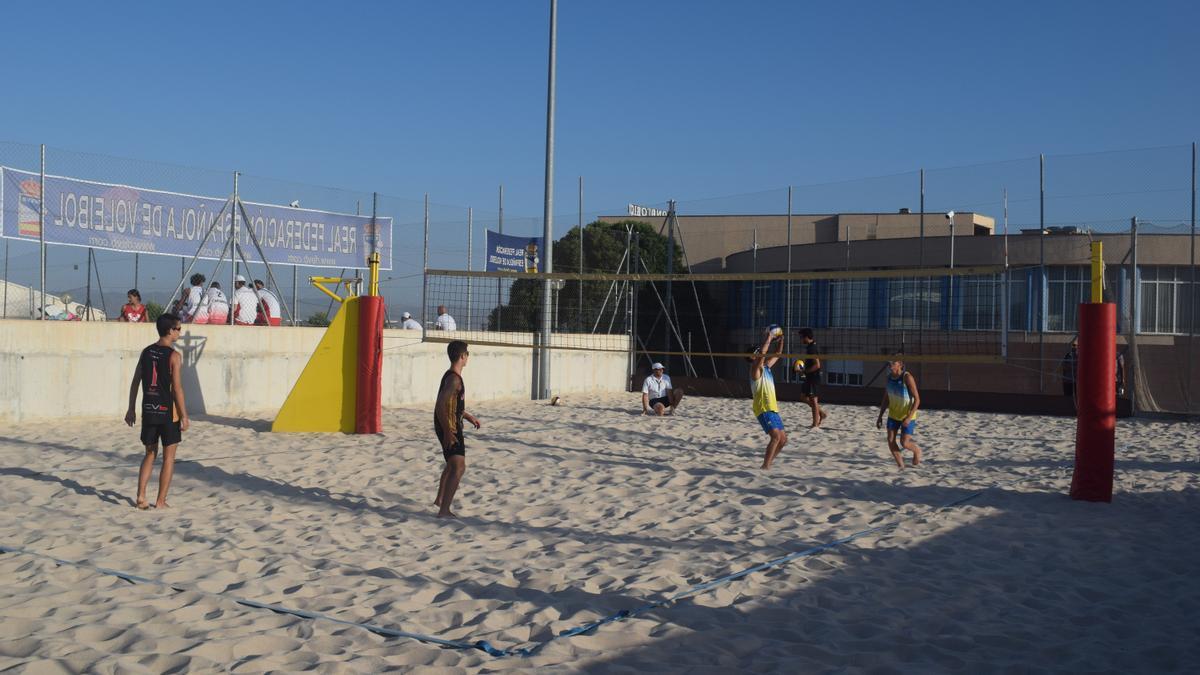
[[657, 393], [408, 323], [245, 302]]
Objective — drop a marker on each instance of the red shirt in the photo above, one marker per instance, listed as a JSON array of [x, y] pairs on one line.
[[133, 314]]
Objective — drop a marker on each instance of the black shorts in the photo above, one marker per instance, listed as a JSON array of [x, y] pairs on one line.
[[810, 386], [665, 400], [460, 445], [168, 433]]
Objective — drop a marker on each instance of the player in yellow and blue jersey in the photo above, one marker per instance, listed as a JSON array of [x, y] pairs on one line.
[[762, 391], [900, 401]]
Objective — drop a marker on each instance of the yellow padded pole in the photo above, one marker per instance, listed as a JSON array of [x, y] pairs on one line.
[[324, 396], [1097, 271]]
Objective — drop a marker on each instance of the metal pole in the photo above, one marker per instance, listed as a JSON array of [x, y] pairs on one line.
[[847, 246], [500, 282], [470, 243], [1041, 315], [548, 214], [295, 288], [135, 270], [950, 313], [787, 321], [1192, 310], [233, 230], [1006, 292], [1134, 313], [629, 304], [670, 270], [5, 313], [87, 297], [921, 255], [42, 235], [579, 309], [425, 270]]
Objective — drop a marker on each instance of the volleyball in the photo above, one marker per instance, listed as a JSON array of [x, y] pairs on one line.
[[774, 330], [798, 366]]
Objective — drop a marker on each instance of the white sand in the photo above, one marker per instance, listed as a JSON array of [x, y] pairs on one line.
[[575, 512]]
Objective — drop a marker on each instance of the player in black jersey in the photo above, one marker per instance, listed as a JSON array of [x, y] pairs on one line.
[[164, 415], [448, 416]]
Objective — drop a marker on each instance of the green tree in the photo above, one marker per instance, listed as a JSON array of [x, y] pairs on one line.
[[317, 319], [603, 252], [154, 310]]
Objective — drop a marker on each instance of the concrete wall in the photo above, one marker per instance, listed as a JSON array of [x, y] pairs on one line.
[[51, 370]]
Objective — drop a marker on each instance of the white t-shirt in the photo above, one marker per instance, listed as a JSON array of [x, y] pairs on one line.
[[246, 305], [410, 324], [195, 295], [271, 302], [655, 387], [446, 322], [217, 297]]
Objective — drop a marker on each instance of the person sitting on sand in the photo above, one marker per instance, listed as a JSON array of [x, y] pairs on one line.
[[164, 414], [762, 392], [447, 424], [900, 401], [658, 394]]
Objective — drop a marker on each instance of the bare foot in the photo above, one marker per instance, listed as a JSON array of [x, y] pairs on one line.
[[161, 505], [142, 504], [447, 514], [916, 456]]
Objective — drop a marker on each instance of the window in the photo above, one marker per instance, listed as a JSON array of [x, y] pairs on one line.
[[762, 302], [843, 373], [1166, 300], [982, 298], [1018, 300], [802, 302], [914, 303], [848, 300], [1067, 287]]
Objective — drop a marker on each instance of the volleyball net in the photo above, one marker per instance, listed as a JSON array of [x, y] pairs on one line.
[[929, 314]]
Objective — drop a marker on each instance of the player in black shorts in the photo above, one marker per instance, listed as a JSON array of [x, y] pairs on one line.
[[811, 386], [164, 415], [448, 416]]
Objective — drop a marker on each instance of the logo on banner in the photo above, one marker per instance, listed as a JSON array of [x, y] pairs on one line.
[[29, 208], [644, 211], [531, 257]]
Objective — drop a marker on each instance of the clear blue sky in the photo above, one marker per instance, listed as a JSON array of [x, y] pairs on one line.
[[655, 99]]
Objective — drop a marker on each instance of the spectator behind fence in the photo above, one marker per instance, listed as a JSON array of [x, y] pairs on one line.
[[245, 303], [218, 304], [270, 303], [444, 320], [194, 309], [133, 311], [407, 322]]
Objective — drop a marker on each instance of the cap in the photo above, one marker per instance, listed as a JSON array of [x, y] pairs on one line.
[[406, 315], [656, 366], [240, 278]]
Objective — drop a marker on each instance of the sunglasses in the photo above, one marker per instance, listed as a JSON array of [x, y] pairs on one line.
[[176, 328]]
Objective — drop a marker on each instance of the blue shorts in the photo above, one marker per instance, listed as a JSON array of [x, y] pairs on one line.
[[770, 420], [905, 429]]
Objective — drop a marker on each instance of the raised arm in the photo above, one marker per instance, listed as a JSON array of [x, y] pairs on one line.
[[778, 350]]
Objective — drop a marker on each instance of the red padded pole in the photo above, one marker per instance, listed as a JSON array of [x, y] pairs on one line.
[[368, 414], [1096, 393]]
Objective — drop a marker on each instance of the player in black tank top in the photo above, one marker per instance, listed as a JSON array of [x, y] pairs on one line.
[[448, 415], [164, 414]]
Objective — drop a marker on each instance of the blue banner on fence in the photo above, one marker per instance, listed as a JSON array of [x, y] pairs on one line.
[[507, 253], [137, 220]]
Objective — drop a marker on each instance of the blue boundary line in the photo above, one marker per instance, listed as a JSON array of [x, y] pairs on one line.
[[484, 645]]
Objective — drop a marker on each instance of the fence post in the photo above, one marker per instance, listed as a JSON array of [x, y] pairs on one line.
[[1134, 316], [470, 242], [294, 289], [233, 246], [42, 236], [787, 296], [1041, 315]]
